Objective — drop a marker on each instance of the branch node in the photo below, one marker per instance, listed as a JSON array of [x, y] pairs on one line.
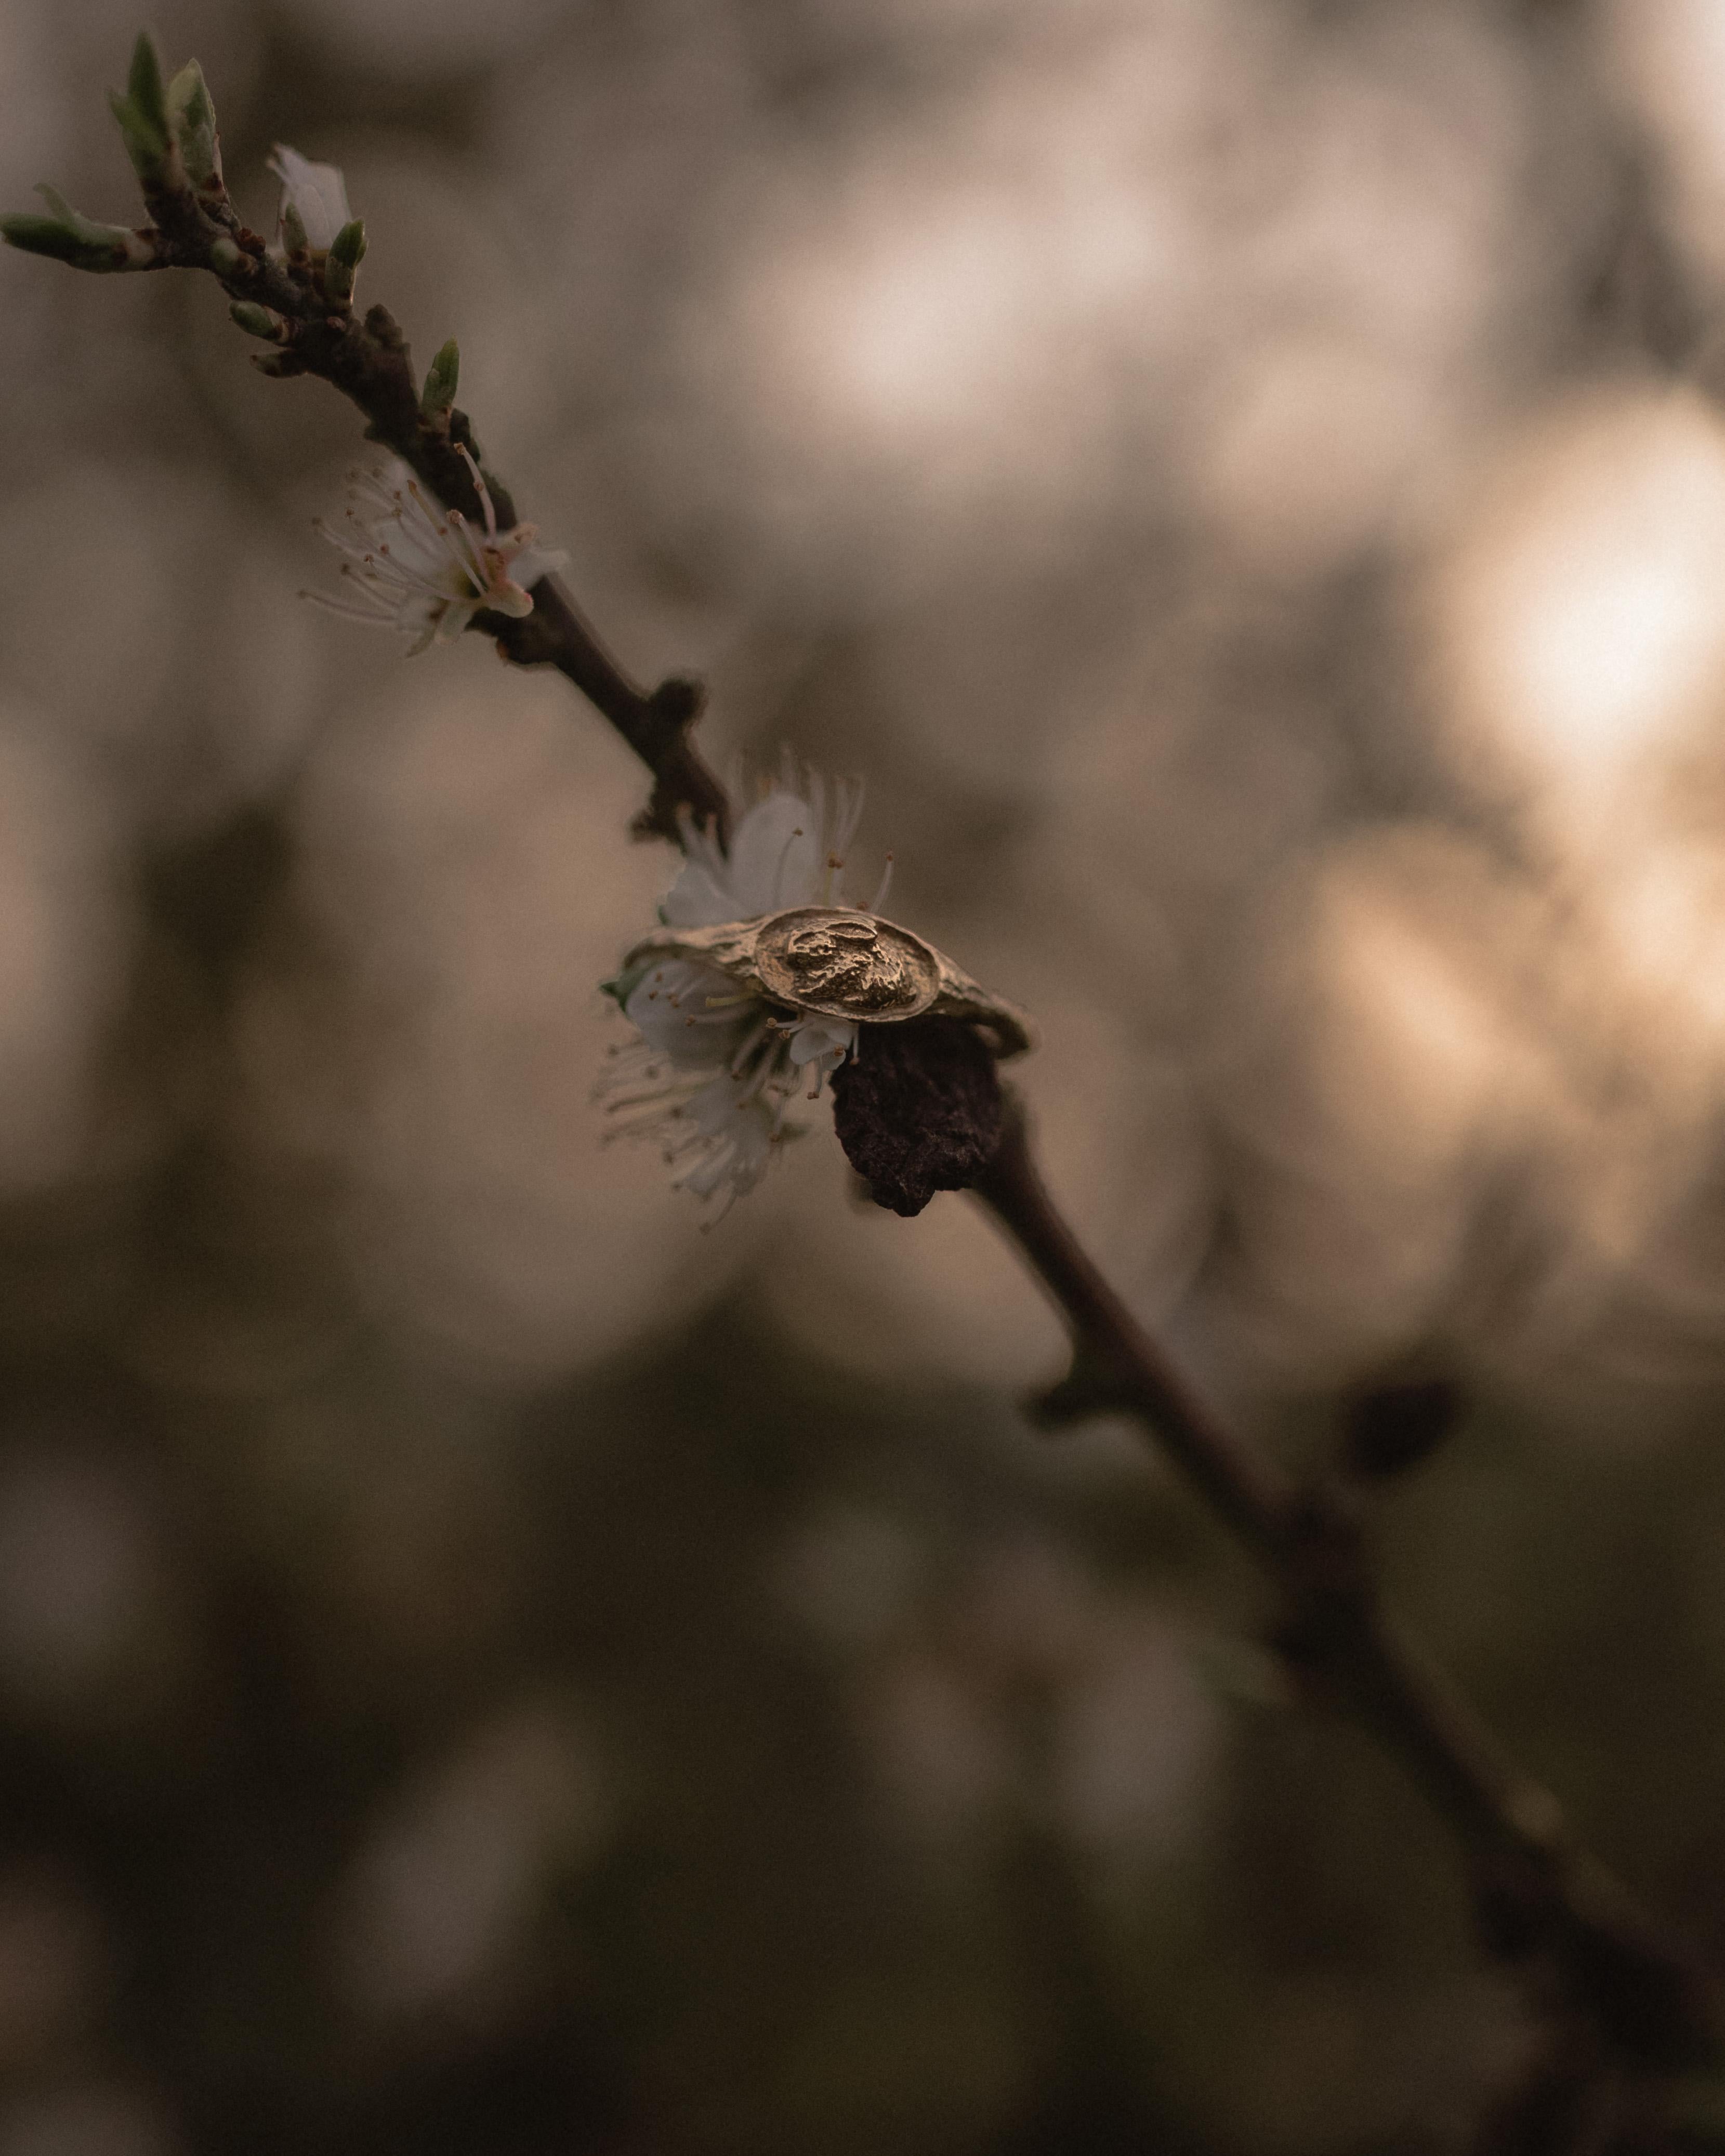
[[678, 702], [1400, 1422], [682, 786], [383, 329], [1092, 1387]]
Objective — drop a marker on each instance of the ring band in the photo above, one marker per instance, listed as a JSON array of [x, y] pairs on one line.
[[841, 963]]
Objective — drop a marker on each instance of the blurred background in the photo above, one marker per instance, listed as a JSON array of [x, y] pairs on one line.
[[487, 1669]]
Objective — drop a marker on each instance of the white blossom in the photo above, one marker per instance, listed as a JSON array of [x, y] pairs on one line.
[[424, 570], [316, 194], [715, 1066]]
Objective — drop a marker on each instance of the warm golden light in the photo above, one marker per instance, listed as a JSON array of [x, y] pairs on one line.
[[1584, 612]]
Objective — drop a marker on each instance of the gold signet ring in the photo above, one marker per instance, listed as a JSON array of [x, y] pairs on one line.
[[840, 964]]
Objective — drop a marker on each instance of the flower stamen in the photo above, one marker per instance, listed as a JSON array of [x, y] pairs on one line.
[[426, 573]]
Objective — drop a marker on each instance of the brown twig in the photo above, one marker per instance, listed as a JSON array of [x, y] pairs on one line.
[[1543, 1899], [369, 362], [315, 331]]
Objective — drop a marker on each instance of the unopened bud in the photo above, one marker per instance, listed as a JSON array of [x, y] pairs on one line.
[[441, 379], [143, 82], [346, 252], [192, 120], [278, 365], [65, 235], [141, 115], [257, 321], [224, 257], [293, 230]]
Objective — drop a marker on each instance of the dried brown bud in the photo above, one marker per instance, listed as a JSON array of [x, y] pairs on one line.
[[917, 1110]]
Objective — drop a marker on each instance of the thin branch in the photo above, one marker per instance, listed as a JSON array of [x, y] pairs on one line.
[[1543, 1897], [369, 362], [301, 302]]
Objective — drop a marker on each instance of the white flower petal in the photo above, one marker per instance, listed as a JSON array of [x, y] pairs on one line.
[[775, 857], [720, 1134], [318, 192], [825, 1040], [782, 853], [425, 570], [698, 899], [718, 1111], [690, 1014]]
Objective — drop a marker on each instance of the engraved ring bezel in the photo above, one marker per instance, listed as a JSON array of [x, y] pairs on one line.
[[754, 954], [775, 961]]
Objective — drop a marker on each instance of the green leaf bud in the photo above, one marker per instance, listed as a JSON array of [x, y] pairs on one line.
[[192, 120], [141, 115], [257, 321], [346, 251], [66, 236], [349, 243], [441, 379], [225, 257], [293, 229], [143, 83], [46, 235]]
